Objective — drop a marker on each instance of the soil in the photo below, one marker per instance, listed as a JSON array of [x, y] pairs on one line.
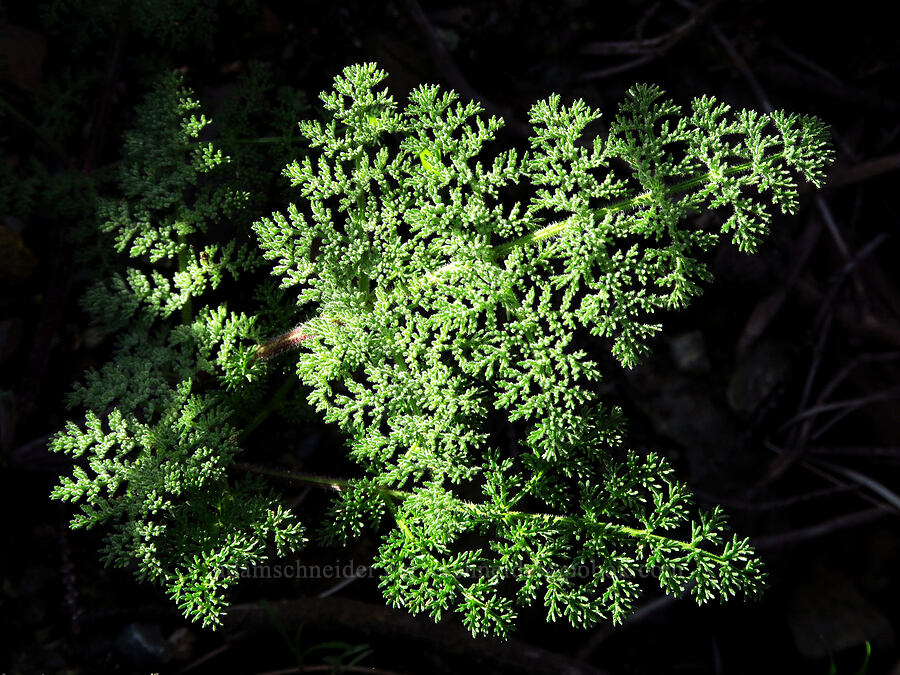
[[775, 394]]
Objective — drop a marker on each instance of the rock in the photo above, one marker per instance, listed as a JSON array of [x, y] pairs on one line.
[[143, 645], [827, 614], [760, 372], [688, 352]]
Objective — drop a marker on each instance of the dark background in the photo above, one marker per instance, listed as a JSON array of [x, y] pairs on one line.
[[775, 394]]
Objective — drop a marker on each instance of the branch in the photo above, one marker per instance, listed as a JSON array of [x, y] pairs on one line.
[[451, 71], [648, 49]]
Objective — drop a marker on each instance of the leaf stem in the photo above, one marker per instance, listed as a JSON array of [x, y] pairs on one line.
[[554, 229], [388, 494]]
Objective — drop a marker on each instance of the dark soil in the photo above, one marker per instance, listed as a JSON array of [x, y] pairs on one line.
[[775, 394]]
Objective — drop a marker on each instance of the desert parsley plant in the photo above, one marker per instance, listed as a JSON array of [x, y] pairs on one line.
[[449, 286]]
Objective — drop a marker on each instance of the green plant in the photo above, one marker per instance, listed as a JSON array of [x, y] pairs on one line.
[[169, 23], [863, 668], [337, 654], [447, 291], [159, 433]]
